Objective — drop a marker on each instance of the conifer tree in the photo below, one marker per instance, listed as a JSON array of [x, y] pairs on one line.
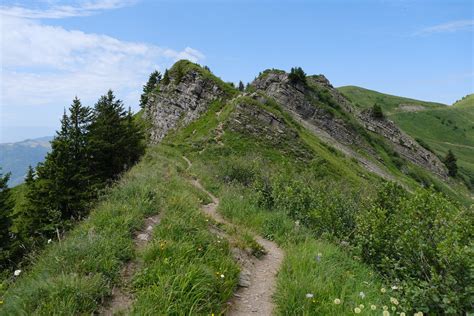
[[115, 140], [153, 80], [451, 163], [6, 209], [60, 190], [241, 86]]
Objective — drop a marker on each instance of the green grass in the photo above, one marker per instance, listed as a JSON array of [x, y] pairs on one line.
[[466, 101], [365, 98], [75, 275], [439, 126], [183, 264]]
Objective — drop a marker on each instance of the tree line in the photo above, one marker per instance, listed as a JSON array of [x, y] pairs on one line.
[[90, 150]]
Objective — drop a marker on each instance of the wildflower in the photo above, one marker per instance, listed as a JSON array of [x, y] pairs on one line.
[[373, 307], [17, 272], [361, 306], [337, 301], [385, 308], [383, 290], [394, 301], [314, 301], [357, 310], [297, 223], [50, 241], [1, 302], [394, 287], [362, 295], [419, 314], [386, 313], [309, 295], [402, 314], [394, 308], [222, 276]]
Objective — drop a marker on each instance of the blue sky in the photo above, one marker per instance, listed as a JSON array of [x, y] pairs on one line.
[[54, 50]]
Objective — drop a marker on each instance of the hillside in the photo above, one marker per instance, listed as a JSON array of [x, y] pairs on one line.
[[439, 127], [466, 101], [16, 157], [281, 199]]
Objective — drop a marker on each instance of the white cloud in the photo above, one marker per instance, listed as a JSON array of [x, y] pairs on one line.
[[52, 10], [46, 66], [450, 27]]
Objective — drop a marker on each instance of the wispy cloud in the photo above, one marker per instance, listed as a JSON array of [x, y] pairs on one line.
[[449, 27], [52, 10], [44, 67]]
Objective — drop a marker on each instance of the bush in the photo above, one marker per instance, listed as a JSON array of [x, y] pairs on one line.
[[377, 111], [423, 243]]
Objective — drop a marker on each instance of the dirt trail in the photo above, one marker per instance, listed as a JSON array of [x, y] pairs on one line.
[[122, 299], [258, 276]]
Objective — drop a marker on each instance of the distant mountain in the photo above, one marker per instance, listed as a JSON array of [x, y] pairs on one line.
[[16, 157]]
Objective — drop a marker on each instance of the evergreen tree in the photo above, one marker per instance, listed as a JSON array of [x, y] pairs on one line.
[[377, 111], [153, 80], [451, 163], [241, 86], [166, 78], [60, 191], [297, 75], [116, 141], [6, 209]]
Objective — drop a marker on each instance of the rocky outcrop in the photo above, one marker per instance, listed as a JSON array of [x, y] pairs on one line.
[[300, 101], [403, 144], [252, 119], [176, 104], [311, 104]]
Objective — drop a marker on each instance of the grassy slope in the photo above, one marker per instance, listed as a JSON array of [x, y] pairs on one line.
[[441, 127], [75, 275], [467, 101]]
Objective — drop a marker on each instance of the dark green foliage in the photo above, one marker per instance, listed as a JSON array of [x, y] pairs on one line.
[[377, 111], [423, 244], [166, 78], [115, 141], [451, 163], [241, 86], [153, 81], [297, 76], [6, 207], [91, 149], [60, 191]]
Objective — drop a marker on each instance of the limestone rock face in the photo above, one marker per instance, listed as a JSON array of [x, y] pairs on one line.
[[305, 106], [179, 103], [403, 144], [299, 101]]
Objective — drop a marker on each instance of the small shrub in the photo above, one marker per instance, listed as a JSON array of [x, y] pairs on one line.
[[377, 111]]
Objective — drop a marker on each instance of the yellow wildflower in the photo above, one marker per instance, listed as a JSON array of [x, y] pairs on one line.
[[383, 290], [386, 313], [337, 301], [373, 307], [357, 310]]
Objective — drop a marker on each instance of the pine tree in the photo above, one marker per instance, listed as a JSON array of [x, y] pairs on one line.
[[115, 140], [153, 80], [241, 86], [451, 163], [6, 209]]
